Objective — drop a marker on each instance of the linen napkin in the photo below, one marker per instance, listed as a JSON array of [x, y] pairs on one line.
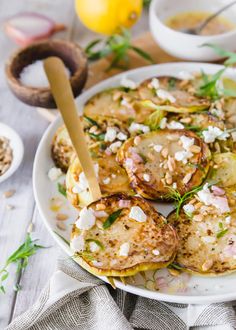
[[74, 299]]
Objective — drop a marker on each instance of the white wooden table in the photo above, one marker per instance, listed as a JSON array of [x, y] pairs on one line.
[[27, 122]]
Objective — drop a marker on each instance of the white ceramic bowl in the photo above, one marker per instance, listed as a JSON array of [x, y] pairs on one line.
[[187, 46], [17, 147]]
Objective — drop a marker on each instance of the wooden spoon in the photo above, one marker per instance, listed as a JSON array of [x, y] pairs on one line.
[[62, 93]]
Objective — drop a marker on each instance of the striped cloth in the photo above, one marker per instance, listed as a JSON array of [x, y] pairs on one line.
[[74, 299]]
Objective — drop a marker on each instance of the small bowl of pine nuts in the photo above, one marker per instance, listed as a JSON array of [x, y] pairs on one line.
[[11, 151]]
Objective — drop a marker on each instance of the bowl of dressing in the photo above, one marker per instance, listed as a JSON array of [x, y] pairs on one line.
[[27, 79], [168, 19]]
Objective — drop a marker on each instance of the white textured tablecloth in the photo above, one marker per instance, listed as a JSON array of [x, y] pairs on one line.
[[74, 299]]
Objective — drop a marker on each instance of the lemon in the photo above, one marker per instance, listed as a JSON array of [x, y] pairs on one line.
[[107, 16]]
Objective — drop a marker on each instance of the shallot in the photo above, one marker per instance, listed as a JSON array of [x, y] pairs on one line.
[[25, 28]]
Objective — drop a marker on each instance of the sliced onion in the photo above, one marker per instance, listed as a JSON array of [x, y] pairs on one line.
[[25, 28]]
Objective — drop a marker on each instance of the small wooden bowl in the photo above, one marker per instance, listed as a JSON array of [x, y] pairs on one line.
[[70, 53]]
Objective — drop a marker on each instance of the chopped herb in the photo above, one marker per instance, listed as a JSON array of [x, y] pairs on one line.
[[61, 188], [98, 137], [111, 219], [144, 158], [175, 265], [221, 233], [96, 242], [20, 257], [64, 239], [118, 45], [171, 83], [193, 128], [91, 121]]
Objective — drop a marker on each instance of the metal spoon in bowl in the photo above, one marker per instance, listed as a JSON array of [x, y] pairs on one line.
[[197, 30]]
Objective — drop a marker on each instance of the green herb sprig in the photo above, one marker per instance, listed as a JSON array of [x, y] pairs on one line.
[[118, 45], [20, 257], [222, 231], [210, 87], [180, 200]]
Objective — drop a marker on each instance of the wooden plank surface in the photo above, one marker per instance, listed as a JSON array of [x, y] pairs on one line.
[[14, 223]]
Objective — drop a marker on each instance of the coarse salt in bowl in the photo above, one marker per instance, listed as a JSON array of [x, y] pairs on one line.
[[17, 147]]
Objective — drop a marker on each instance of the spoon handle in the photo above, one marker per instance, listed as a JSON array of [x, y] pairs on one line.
[[201, 26], [62, 93]]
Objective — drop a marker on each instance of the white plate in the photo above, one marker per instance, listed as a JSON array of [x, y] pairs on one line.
[[17, 148], [181, 289]]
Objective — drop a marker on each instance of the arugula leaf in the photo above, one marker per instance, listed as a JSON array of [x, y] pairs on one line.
[[118, 45], [231, 56], [20, 257], [111, 219], [61, 188]]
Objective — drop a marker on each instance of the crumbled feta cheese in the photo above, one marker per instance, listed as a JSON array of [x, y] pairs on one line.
[[165, 96], [175, 125], [208, 198], [228, 220], [188, 208], [94, 247], [208, 239], [115, 146], [136, 213], [154, 83], [77, 243], [213, 133], [135, 127], [124, 102], [110, 135], [106, 180], [54, 173], [183, 156], [97, 263], [128, 83], [156, 252], [86, 219], [185, 75], [124, 250], [146, 177], [157, 147], [163, 123], [174, 185], [186, 142], [83, 182], [121, 136]]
